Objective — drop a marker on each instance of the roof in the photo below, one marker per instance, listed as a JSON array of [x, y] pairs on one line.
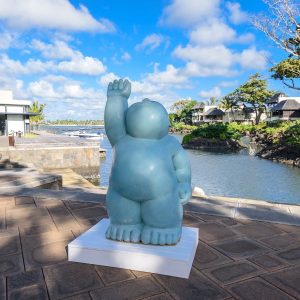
[[275, 98], [19, 113], [199, 105], [214, 112], [290, 104]]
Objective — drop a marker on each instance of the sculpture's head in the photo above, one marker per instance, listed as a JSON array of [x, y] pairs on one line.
[[147, 119]]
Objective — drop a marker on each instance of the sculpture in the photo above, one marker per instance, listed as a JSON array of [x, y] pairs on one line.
[[150, 178]]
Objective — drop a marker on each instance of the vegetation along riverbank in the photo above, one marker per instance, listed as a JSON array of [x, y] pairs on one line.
[[278, 141]]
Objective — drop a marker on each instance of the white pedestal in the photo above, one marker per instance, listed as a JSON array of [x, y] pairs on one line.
[[92, 247]]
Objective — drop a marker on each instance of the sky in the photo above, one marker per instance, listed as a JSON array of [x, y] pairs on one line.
[[64, 53]]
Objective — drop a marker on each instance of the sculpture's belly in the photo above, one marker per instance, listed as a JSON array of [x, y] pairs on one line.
[[142, 174]]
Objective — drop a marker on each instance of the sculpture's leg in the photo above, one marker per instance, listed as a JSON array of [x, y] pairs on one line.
[[125, 218], [162, 219]]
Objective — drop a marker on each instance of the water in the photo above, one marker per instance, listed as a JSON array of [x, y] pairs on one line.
[[231, 174]]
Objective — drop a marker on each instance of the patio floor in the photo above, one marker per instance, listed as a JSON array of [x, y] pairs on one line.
[[235, 259]]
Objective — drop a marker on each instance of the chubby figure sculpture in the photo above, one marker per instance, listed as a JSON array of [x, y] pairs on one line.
[[150, 178]]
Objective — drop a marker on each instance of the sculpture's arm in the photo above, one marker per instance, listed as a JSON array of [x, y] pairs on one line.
[[183, 173], [116, 106]]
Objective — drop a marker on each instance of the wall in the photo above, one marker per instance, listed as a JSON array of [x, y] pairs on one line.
[[15, 123], [57, 157]]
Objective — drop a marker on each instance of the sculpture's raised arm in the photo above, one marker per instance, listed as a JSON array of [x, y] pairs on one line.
[[118, 93]]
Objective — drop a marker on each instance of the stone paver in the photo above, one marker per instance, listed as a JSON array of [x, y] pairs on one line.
[[233, 272], [257, 289], [240, 248], [235, 259], [67, 279], [287, 280], [132, 289]]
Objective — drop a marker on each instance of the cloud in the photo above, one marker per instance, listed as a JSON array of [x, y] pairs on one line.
[[151, 42], [6, 40], [181, 13], [126, 56], [51, 14], [170, 76], [214, 92], [10, 66], [43, 89], [212, 32], [107, 78], [82, 65], [57, 50], [209, 56], [237, 16], [252, 59]]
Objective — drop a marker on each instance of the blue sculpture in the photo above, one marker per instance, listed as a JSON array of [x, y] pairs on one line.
[[150, 178]]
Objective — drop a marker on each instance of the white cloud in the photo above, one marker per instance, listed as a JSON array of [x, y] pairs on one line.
[[246, 38], [237, 16], [51, 14], [107, 78], [57, 50], [6, 39], [212, 32], [82, 65], [209, 56], [42, 89], [214, 92], [32, 66], [253, 59], [126, 56], [151, 42], [181, 13], [170, 75]]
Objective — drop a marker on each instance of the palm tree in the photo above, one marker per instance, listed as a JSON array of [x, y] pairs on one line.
[[212, 101], [228, 103], [37, 108]]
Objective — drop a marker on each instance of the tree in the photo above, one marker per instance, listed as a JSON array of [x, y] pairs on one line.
[[255, 93], [212, 101], [228, 103], [37, 108], [282, 26], [183, 110], [287, 71]]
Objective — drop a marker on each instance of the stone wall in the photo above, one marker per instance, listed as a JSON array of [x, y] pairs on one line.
[[55, 157]]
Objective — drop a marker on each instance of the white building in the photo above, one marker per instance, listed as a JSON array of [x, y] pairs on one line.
[[14, 114]]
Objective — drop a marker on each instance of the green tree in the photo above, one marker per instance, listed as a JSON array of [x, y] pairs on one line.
[[228, 103], [37, 108], [255, 93], [212, 101], [281, 24], [287, 71], [183, 110]]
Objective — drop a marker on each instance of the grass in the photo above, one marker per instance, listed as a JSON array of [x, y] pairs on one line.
[[30, 135]]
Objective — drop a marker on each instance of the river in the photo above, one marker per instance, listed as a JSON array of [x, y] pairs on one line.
[[225, 174]]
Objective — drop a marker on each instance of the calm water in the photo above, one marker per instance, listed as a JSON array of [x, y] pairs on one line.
[[233, 175]]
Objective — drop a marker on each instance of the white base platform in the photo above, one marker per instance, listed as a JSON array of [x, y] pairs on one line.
[[92, 247]]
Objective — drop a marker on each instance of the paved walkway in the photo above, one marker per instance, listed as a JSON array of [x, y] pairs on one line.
[[235, 259]]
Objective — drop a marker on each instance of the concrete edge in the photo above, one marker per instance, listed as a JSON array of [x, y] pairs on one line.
[[231, 208]]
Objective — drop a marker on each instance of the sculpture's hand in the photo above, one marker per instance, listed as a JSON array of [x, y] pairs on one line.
[[119, 88], [185, 192]]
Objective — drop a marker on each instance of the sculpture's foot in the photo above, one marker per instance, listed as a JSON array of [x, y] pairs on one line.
[[161, 236], [126, 233]]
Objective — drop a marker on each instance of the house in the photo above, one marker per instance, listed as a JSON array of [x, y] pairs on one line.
[[199, 112], [213, 115], [14, 114], [284, 108]]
